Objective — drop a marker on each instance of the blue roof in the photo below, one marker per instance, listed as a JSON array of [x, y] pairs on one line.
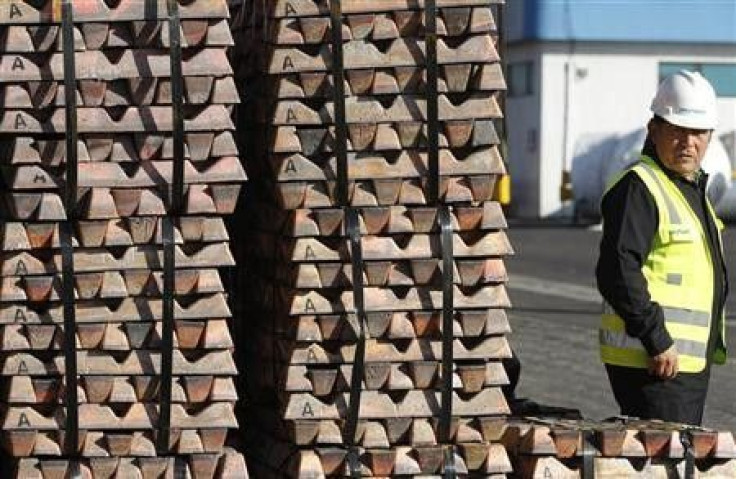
[[691, 21]]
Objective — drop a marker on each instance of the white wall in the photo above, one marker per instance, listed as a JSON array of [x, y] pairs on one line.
[[524, 137], [611, 86]]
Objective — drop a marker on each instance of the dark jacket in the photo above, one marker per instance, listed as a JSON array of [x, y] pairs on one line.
[[630, 222]]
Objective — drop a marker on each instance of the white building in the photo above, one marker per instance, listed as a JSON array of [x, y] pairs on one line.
[[588, 69]]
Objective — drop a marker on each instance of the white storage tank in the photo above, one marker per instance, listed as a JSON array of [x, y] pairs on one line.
[[599, 159]]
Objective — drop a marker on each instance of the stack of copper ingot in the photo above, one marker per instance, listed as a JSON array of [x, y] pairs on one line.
[[115, 349], [620, 447], [372, 249]]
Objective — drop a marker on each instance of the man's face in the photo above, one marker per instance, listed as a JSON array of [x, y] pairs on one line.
[[679, 149]]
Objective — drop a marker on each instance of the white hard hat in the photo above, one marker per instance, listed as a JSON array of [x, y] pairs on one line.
[[686, 99]]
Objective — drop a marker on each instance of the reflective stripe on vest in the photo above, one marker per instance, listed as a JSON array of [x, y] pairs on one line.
[[675, 315], [679, 273], [621, 340]]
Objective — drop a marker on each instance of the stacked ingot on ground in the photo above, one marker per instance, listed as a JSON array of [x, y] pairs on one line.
[[125, 152], [304, 301], [620, 447]]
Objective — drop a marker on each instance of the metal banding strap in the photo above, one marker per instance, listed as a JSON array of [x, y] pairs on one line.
[[433, 197], [352, 227], [589, 453], [181, 468], [356, 381], [70, 103], [448, 301], [621, 340], [450, 470], [176, 200], [338, 90], [167, 336], [674, 215], [433, 127], [686, 439], [66, 234]]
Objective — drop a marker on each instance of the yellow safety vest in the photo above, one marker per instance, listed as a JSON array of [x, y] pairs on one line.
[[679, 274]]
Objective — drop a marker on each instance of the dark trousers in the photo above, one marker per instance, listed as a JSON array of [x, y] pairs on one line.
[[638, 394]]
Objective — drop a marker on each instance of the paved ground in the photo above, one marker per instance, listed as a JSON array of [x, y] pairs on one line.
[[555, 318]]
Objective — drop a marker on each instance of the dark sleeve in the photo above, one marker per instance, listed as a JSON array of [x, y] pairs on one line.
[[630, 222]]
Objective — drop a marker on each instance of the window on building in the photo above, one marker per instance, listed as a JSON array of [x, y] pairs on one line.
[[520, 79], [721, 75]]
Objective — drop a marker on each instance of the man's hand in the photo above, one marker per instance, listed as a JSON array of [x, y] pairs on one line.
[[664, 365]]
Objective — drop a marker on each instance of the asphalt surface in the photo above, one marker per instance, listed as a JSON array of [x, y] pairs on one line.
[[555, 315]]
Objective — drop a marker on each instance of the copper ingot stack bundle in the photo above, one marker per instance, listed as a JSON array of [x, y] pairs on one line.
[[619, 447], [111, 246], [372, 255]]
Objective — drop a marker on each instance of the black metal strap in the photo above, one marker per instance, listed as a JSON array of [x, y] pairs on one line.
[[176, 198], [450, 468], [448, 301], [167, 336], [352, 222], [66, 235], [430, 21], [352, 226], [338, 80], [686, 438], [176, 201], [445, 220], [433, 123], [589, 452], [71, 426], [70, 103]]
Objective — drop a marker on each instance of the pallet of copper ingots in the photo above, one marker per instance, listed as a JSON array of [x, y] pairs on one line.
[[305, 330], [119, 358], [473, 459], [384, 178], [307, 343], [373, 252], [617, 447], [384, 50], [91, 12], [386, 163], [120, 60], [119, 163], [225, 465], [385, 103]]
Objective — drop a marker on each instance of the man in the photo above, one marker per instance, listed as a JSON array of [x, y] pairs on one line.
[[661, 270]]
